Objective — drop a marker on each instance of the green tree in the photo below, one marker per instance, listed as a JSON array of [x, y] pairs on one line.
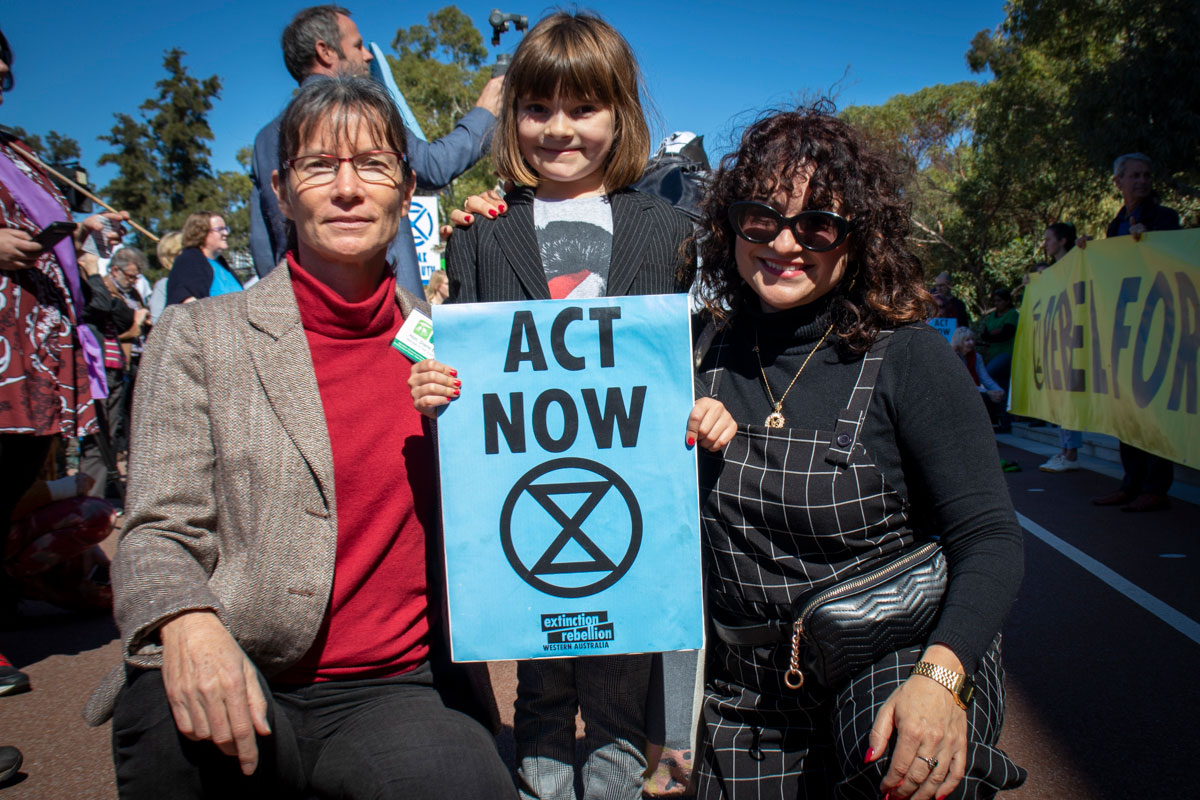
[[1077, 84], [178, 122], [162, 158], [928, 136], [137, 185], [32, 140], [234, 188], [61, 149], [439, 68]]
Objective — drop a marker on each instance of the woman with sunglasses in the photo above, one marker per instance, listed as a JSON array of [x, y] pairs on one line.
[[200, 270], [859, 438]]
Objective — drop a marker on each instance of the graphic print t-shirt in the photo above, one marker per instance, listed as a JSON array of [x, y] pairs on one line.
[[575, 239]]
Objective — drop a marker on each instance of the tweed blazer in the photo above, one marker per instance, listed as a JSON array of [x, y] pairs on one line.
[[498, 260], [231, 504]]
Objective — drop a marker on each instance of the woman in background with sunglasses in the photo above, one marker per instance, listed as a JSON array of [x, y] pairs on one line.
[[859, 438]]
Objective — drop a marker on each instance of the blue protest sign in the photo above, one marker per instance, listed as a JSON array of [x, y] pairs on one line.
[[569, 495], [944, 325]]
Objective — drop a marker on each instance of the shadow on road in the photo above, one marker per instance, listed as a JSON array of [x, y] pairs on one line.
[[44, 631]]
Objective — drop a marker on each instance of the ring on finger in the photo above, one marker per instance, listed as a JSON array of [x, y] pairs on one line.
[[932, 762]]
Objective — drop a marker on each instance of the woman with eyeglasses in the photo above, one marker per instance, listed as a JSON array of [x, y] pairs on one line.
[[276, 584], [859, 439], [200, 270]]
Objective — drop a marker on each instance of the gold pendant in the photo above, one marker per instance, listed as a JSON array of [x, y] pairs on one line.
[[775, 419]]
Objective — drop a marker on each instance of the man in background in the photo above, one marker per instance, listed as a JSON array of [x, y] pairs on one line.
[[1147, 477], [950, 305], [321, 42]]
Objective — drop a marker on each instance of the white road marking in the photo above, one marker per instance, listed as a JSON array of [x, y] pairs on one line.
[[1176, 619]]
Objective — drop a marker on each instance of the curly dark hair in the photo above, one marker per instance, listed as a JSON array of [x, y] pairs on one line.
[[883, 285]]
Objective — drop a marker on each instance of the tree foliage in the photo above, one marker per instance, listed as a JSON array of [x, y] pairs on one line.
[[162, 158], [1073, 86], [54, 148], [439, 68], [928, 136]]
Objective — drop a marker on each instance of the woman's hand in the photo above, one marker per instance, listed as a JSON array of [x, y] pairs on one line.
[[996, 395], [18, 250], [710, 424], [94, 224], [212, 687], [928, 724], [433, 384]]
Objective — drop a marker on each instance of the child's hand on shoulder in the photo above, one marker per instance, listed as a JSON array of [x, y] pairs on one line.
[[710, 425]]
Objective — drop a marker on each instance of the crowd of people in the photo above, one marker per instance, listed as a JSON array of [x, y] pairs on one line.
[[278, 586]]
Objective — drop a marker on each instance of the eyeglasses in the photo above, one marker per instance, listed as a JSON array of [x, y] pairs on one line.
[[818, 231], [373, 166], [222, 229]]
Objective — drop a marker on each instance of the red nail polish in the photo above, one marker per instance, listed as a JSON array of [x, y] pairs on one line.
[[467, 217], [491, 212], [503, 209], [870, 753], [458, 383], [454, 372], [456, 392], [691, 440]]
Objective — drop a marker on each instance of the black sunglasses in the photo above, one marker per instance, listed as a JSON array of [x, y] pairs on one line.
[[818, 231]]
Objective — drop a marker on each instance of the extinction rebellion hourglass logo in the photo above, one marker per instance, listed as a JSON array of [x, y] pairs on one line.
[[571, 527]]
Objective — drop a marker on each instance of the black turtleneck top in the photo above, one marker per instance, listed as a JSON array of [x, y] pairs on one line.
[[927, 430]]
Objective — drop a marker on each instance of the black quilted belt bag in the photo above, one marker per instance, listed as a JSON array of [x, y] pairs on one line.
[[838, 631]]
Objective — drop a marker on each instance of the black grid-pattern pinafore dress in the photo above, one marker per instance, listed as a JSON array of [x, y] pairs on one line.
[[783, 511]]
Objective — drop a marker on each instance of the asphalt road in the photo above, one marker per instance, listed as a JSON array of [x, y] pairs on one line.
[[1100, 703]]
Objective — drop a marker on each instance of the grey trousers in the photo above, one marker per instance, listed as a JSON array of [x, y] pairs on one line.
[[610, 694]]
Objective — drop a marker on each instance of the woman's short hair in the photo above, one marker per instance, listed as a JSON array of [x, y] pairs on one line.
[[958, 338], [579, 56], [168, 249], [883, 285], [344, 102], [196, 227], [1064, 232]]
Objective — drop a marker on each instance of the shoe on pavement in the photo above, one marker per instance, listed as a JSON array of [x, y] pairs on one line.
[[1118, 498], [1059, 463], [10, 762], [12, 680], [1149, 502], [1052, 463]]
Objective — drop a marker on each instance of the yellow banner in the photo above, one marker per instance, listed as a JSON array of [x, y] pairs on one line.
[[1109, 339]]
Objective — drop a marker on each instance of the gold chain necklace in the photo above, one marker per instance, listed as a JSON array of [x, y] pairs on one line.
[[775, 418]]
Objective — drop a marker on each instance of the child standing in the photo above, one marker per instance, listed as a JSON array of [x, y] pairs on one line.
[[573, 138]]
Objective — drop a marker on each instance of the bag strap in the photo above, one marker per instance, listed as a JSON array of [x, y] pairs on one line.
[[849, 424]]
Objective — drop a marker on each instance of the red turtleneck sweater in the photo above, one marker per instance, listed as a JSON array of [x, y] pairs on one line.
[[377, 622]]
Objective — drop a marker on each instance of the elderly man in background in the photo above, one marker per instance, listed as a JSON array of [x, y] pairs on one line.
[[322, 42], [951, 306], [1147, 477]]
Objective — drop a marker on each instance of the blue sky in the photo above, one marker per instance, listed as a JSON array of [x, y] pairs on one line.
[[710, 67]]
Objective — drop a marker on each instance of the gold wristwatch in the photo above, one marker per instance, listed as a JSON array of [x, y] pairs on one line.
[[959, 685]]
